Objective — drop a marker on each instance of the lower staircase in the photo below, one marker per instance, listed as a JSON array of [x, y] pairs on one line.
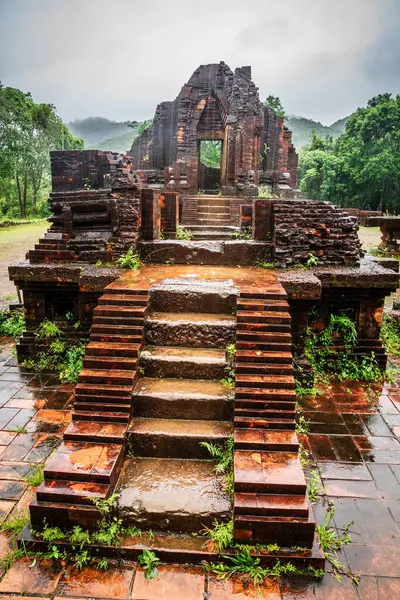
[[270, 499], [179, 402], [89, 460]]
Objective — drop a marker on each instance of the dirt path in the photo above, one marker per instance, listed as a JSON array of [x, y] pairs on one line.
[[14, 243]]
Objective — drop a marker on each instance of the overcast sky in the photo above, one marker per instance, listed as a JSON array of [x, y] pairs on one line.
[[119, 58]]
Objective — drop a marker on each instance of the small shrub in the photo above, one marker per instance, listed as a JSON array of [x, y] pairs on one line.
[[183, 234], [129, 260], [149, 561], [12, 323]]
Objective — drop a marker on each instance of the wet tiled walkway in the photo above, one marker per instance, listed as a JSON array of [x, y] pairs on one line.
[[354, 439]]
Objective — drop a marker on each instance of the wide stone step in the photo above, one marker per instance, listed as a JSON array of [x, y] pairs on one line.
[[106, 376], [95, 431], [286, 531], [85, 461], [119, 329], [255, 403], [171, 495], [99, 389], [123, 350], [119, 311], [194, 295], [246, 316], [249, 344], [75, 492], [265, 381], [268, 423], [262, 356], [212, 235], [134, 340], [190, 329], [191, 363], [66, 515], [117, 320], [263, 369], [182, 399], [175, 438], [276, 292], [264, 413], [98, 407], [123, 300], [211, 209], [109, 362], [118, 288], [268, 473], [216, 201], [270, 505], [264, 327], [226, 228], [268, 395], [263, 337], [113, 416], [266, 440], [260, 305]]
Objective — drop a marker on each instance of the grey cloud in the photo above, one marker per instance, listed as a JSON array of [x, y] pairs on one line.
[[119, 59]]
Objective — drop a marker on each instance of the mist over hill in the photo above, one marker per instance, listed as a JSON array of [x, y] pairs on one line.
[[102, 134], [302, 129]]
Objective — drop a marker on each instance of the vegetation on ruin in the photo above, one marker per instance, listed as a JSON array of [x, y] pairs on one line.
[[35, 476], [275, 103], [183, 234], [390, 335], [12, 323], [361, 168], [333, 542], [223, 455], [314, 487], [129, 260], [58, 353], [149, 561], [330, 352], [28, 132]]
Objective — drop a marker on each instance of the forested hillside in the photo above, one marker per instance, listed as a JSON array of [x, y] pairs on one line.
[[102, 134], [302, 129]]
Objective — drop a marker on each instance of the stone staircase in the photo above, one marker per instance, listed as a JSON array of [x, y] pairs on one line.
[[270, 500], [180, 402], [88, 462], [52, 248]]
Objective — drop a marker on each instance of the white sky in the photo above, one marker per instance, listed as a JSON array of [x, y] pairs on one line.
[[119, 58]]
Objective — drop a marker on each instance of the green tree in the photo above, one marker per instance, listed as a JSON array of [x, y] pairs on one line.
[[275, 103], [28, 132], [362, 167]]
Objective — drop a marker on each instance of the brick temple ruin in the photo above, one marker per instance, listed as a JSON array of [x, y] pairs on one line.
[[217, 105], [153, 374]]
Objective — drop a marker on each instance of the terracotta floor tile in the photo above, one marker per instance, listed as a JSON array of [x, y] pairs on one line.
[[173, 583], [355, 424], [90, 582], [5, 507], [382, 528], [238, 588], [16, 471], [338, 470], [321, 447], [371, 560], [376, 425], [326, 589], [21, 578], [346, 510], [385, 480], [350, 489], [345, 448], [385, 457], [11, 490], [387, 407], [6, 437]]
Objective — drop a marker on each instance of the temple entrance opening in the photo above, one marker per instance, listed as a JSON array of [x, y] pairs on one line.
[[210, 154]]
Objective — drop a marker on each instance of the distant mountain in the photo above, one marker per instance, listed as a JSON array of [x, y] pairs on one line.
[[302, 129], [102, 134]]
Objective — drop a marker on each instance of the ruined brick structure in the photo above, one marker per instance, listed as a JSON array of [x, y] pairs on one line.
[[217, 104]]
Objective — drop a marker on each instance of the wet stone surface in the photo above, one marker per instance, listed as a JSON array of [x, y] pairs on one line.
[[181, 495], [355, 445]]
